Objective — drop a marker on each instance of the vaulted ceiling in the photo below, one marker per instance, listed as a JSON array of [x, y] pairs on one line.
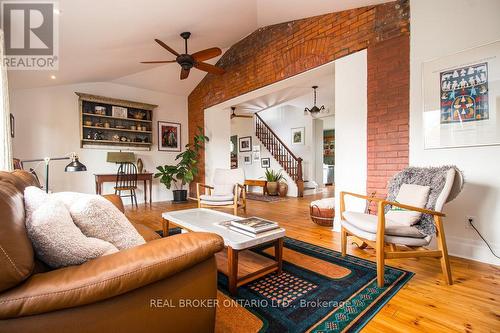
[[104, 40]]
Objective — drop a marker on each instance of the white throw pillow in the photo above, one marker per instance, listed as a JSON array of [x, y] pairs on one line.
[[223, 189], [99, 218], [58, 241], [411, 195], [34, 197]]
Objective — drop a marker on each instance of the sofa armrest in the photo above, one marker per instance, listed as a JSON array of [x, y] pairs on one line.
[[108, 276], [115, 200]]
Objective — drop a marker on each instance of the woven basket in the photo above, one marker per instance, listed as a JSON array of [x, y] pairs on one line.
[[322, 216]]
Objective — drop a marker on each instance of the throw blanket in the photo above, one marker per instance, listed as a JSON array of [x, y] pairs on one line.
[[434, 177]]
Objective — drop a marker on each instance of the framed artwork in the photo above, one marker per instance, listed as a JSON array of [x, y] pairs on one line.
[[119, 112], [247, 159], [245, 143], [265, 162], [12, 125], [461, 98], [234, 151], [256, 148], [256, 156], [298, 135], [169, 136]]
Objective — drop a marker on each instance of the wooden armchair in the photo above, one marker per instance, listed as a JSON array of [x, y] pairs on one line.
[[228, 191], [385, 235]]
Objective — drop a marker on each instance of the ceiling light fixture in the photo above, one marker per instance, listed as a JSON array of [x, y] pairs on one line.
[[314, 110], [53, 77], [57, 11]]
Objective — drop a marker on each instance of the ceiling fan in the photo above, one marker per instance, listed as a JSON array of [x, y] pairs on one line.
[[188, 61], [234, 115]]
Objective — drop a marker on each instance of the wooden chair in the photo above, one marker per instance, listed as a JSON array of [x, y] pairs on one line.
[[228, 191], [126, 180], [372, 230]]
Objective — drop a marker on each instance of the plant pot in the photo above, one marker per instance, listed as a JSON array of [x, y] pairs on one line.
[[180, 195], [283, 189], [272, 188]]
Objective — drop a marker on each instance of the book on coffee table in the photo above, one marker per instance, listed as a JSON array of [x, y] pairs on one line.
[[254, 225]]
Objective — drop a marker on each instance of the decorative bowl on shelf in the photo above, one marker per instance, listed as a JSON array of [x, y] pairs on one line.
[[133, 127], [88, 122]]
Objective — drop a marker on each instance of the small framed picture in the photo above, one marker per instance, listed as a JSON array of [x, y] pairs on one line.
[[247, 159], [245, 143], [256, 148], [119, 112], [12, 125], [265, 162], [169, 136], [298, 136], [256, 156]]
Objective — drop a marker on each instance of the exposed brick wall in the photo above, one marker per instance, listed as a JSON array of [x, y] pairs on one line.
[[276, 52]]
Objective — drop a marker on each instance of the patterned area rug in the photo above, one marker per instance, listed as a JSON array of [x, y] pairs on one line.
[[318, 291], [265, 198]]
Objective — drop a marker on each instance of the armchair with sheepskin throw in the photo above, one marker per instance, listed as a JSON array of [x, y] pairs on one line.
[[409, 217]]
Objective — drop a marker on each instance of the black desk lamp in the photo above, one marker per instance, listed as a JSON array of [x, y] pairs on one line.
[[74, 166]]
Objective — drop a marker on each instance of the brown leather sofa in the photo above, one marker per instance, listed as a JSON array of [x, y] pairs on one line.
[[135, 290]]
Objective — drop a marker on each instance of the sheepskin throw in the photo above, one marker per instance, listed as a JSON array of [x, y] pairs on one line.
[[97, 217], [57, 240], [434, 177]]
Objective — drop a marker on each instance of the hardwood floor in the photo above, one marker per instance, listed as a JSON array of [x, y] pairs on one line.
[[425, 304]]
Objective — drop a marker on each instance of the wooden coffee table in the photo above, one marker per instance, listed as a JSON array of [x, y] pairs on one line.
[[240, 265]]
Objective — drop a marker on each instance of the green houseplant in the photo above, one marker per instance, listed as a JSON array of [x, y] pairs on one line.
[[272, 177], [185, 170]]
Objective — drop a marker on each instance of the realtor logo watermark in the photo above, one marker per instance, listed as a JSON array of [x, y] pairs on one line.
[[31, 34]]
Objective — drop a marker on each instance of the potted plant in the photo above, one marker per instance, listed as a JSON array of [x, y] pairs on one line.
[[272, 177], [185, 170]]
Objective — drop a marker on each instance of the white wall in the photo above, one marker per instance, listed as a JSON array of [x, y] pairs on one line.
[[432, 37], [47, 124], [245, 127], [217, 151], [350, 130]]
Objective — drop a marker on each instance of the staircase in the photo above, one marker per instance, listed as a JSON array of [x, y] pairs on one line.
[[281, 153]]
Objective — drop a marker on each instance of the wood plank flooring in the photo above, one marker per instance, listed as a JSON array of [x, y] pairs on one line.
[[425, 304]]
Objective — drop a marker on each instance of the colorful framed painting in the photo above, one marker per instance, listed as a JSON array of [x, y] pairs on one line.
[[169, 136], [462, 98], [245, 143], [298, 136]]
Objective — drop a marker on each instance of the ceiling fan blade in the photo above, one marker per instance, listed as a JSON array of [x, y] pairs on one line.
[[168, 48], [206, 54], [209, 68], [184, 73], [158, 62]]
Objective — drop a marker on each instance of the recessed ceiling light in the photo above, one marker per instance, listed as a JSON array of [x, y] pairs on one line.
[[53, 77], [57, 11]]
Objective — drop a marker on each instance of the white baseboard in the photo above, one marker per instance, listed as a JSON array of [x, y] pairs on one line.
[[474, 249]]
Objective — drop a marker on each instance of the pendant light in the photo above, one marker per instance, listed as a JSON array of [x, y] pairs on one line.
[[315, 110]]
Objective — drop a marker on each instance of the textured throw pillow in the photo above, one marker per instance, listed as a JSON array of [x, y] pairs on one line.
[[99, 218], [412, 195], [223, 189], [34, 197], [58, 241]]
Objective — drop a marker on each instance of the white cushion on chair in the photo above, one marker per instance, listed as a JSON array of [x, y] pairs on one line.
[[223, 189], [368, 223], [411, 195], [217, 198], [217, 203]]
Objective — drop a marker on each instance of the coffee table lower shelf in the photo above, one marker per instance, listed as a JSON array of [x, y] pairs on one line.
[[244, 266]]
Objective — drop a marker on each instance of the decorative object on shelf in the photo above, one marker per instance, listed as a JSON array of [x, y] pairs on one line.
[[247, 159], [186, 168], [256, 156], [315, 110], [265, 162], [283, 187], [98, 136], [97, 111], [133, 127], [256, 148], [140, 166], [272, 177], [100, 110], [245, 144], [233, 147], [74, 166], [123, 138], [12, 125], [298, 134], [169, 136], [459, 99], [119, 112]]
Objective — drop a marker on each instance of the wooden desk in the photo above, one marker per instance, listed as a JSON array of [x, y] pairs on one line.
[[257, 182], [111, 178]]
